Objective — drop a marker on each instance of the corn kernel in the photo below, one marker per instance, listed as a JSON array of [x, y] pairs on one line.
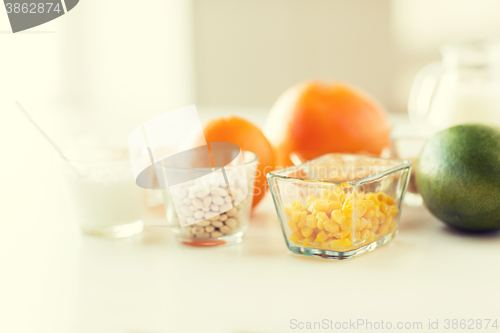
[[393, 211], [361, 223], [288, 210], [320, 226], [389, 200], [347, 209], [311, 222], [293, 227], [312, 238], [369, 213], [344, 233], [306, 231], [301, 224], [303, 216], [365, 234], [337, 215], [314, 212], [331, 226], [381, 196], [382, 230], [340, 243], [311, 199], [297, 205], [297, 236], [360, 209], [371, 237], [321, 237], [369, 203], [321, 216], [296, 215], [321, 205], [333, 205]]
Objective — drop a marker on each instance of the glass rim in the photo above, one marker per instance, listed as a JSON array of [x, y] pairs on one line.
[[403, 164], [254, 159]]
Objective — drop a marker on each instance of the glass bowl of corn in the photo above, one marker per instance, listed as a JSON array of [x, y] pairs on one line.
[[339, 206]]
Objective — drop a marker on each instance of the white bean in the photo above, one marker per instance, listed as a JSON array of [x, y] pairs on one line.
[[198, 203], [203, 193], [225, 229], [217, 224], [231, 222], [232, 212], [199, 214], [192, 195], [196, 188], [203, 235], [216, 234], [215, 191], [186, 211], [223, 193], [210, 215], [206, 209], [193, 208], [190, 220], [223, 217], [203, 223], [214, 208], [210, 228], [186, 201], [225, 207], [215, 218], [227, 199], [197, 230], [217, 200], [207, 201]]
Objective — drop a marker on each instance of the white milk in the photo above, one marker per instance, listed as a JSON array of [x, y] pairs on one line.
[[106, 198]]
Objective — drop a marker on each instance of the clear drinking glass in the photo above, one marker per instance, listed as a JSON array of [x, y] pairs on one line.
[[103, 195], [219, 229], [339, 206]]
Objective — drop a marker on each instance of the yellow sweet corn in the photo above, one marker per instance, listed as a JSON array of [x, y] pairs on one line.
[[321, 205], [296, 215], [321, 216], [331, 226], [328, 223], [306, 231], [293, 227], [321, 237], [311, 221]]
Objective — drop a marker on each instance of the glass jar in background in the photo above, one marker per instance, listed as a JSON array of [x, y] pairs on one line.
[[102, 192], [463, 88], [216, 229], [409, 148]]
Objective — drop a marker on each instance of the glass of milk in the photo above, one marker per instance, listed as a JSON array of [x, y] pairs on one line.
[[463, 88], [102, 192]]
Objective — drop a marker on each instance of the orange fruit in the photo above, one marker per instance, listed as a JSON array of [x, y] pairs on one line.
[[315, 118], [250, 138]]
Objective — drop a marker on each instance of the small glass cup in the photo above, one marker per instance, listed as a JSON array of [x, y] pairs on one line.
[[409, 148], [339, 206], [223, 228], [103, 194]]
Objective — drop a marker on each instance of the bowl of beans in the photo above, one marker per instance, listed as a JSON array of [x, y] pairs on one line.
[[339, 206], [213, 210]]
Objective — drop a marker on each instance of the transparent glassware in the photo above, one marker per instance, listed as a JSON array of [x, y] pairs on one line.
[[339, 206], [409, 147], [104, 197], [462, 88], [221, 229]]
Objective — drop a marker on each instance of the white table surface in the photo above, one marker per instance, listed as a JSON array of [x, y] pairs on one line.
[[54, 279]]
